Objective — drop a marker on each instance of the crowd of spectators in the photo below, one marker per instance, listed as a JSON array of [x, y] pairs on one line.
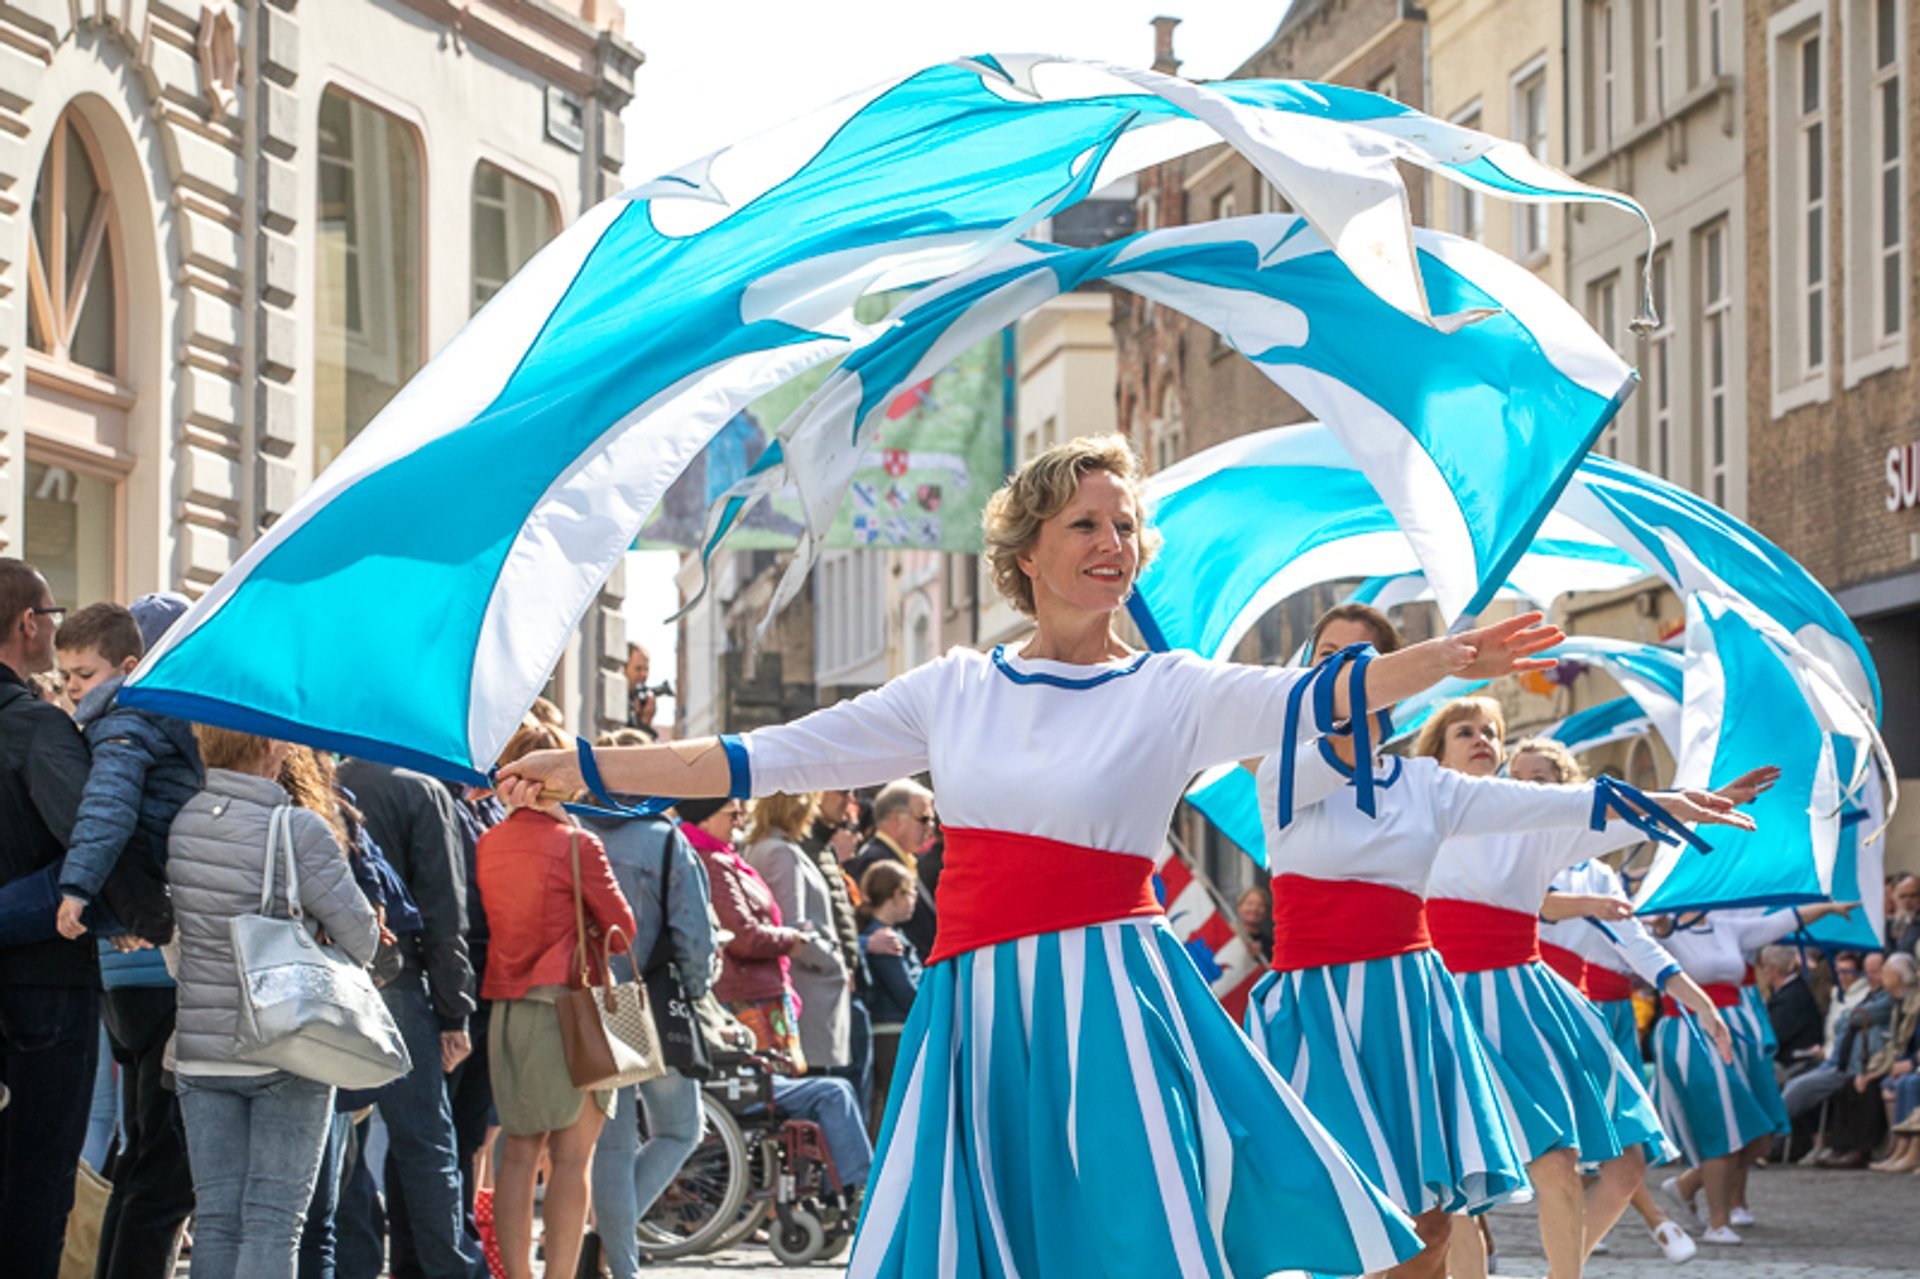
[[129, 842]]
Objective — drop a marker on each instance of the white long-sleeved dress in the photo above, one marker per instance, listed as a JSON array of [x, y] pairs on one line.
[[1383, 1048], [1711, 1108], [1075, 1101], [1612, 954], [1551, 1048]]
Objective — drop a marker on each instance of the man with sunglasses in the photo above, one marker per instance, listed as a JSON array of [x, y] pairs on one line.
[[904, 827], [49, 1001]]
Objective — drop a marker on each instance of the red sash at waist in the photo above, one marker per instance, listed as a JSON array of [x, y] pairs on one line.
[[1568, 965], [996, 886], [1473, 937], [1749, 977], [1604, 986], [1722, 994], [1321, 922]]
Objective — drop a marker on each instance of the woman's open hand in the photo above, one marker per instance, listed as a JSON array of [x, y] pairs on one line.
[[1748, 787], [1705, 808], [1503, 648]]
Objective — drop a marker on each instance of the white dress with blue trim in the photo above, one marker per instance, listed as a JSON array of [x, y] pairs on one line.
[[1623, 948], [1074, 1101], [1384, 1048], [1549, 1043], [1712, 1108]]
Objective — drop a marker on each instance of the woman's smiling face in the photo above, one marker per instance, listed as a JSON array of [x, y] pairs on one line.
[[1085, 558]]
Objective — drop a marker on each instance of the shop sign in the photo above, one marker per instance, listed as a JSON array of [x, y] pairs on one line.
[[1903, 476]]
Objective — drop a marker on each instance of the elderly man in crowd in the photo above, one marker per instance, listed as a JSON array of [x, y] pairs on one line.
[[903, 829], [1903, 925]]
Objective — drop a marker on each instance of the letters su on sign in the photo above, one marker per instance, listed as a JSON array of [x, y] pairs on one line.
[[1903, 476]]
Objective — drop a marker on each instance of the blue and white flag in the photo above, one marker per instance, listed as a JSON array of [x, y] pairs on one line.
[[410, 604], [1602, 724]]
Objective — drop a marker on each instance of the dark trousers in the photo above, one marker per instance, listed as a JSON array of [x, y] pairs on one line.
[[470, 1095], [49, 1046], [859, 1068], [419, 1123], [316, 1258], [152, 1179]]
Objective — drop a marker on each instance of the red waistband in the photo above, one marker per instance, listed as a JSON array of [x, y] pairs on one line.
[[1604, 986], [996, 886], [1320, 922], [1473, 937], [1567, 964], [1749, 977], [1722, 994]]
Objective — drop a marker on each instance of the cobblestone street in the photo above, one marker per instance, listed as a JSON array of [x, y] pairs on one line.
[[1813, 1225]]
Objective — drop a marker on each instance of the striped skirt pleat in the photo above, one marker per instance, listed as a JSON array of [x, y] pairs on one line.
[[1078, 1103], [1753, 1044], [1707, 1105], [1552, 1047], [1385, 1056]]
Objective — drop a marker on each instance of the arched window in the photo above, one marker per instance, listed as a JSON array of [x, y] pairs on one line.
[[78, 455], [73, 310], [512, 220], [369, 312]]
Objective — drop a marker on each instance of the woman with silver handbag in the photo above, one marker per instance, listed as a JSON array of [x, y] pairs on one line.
[[254, 1131]]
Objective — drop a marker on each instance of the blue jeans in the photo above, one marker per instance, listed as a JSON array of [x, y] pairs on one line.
[[628, 1175], [421, 1155], [103, 1115], [1906, 1096], [859, 1068], [318, 1240], [829, 1102], [48, 1038], [255, 1142], [29, 904]]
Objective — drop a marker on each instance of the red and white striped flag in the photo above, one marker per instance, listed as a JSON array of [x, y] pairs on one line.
[[1197, 916]]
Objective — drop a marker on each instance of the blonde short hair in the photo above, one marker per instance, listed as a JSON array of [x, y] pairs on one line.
[[781, 814], [1566, 768], [231, 749], [1432, 739], [1039, 491]]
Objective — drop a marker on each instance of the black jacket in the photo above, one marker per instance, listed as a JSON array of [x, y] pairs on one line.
[[920, 929], [818, 845], [1797, 1023], [410, 815], [43, 770]]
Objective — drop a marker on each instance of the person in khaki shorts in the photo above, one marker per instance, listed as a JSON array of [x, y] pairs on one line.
[[525, 868]]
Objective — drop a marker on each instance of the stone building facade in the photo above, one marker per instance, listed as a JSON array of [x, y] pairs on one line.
[[1832, 203], [231, 229]]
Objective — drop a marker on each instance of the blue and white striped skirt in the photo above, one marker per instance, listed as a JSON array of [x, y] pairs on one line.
[[1624, 1030], [1554, 1056], [1707, 1105], [1753, 1045], [1078, 1103], [1385, 1056]]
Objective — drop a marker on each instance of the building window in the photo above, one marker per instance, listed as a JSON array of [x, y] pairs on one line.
[[1530, 127], [1603, 312], [368, 314], [73, 315], [1659, 401], [1167, 432], [1387, 86], [1601, 65], [72, 532], [1271, 201], [1150, 211], [1714, 358], [1714, 39], [1467, 206], [512, 219], [1657, 62], [1224, 205], [1875, 213], [1800, 227]]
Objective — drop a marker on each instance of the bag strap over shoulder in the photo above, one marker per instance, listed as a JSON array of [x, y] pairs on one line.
[[280, 846], [580, 951], [662, 942]]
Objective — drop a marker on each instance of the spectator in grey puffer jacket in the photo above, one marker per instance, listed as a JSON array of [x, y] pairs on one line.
[[254, 1133]]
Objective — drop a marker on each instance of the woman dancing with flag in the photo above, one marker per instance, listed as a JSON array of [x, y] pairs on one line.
[[1577, 1102], [1070, 1099], [1360, 1014]]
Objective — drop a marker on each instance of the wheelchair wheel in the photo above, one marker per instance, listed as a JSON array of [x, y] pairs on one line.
[[837, 1242], [759, 1202], [705, 1201], [797, 1240]]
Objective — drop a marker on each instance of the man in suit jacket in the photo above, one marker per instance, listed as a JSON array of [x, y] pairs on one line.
[[903, 829]]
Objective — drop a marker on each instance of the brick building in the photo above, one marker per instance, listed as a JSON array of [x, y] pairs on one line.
[[1831, 208], [230, 231]]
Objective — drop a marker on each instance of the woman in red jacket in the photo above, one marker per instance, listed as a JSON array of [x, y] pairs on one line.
[[525, 868], [754, 983]]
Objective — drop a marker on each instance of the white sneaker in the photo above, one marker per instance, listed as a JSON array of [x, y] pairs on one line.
[[1720, 1235], [1676, 1243], [1671, 1189], [1600, 1249], [1741, 1217]]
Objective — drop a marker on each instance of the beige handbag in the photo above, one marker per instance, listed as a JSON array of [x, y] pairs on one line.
[[607, 1030]]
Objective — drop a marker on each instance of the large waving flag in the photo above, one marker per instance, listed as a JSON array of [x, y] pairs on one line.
[[411, 603]]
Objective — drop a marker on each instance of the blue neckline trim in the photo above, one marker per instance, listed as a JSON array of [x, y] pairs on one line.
[[1005, 667], [1340, 766]]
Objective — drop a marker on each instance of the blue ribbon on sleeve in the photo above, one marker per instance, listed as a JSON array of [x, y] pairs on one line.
[[1359, 725], [1615, 798], [608, 805]]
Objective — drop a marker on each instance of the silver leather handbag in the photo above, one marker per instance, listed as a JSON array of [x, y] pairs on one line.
[[306, 1008]]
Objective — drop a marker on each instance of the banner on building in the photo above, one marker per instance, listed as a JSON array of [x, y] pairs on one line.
[[941, 452]]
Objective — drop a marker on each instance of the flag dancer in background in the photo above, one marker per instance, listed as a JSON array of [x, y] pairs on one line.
[[1070, 1098], [1360, 1014], [1578, 1101], [1712, 1108]]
